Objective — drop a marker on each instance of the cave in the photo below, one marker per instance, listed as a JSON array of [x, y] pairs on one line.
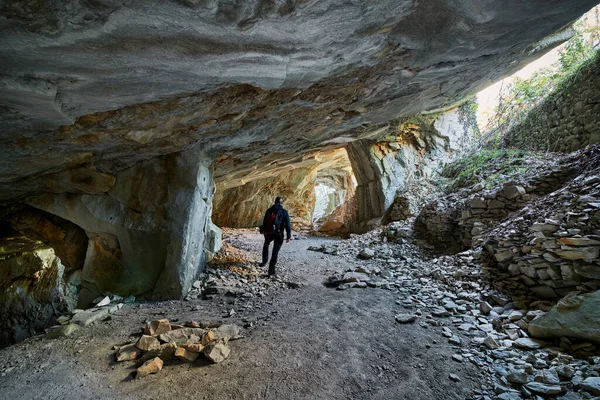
[[142, 140]]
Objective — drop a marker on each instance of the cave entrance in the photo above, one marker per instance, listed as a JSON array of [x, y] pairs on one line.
[[326, 200]]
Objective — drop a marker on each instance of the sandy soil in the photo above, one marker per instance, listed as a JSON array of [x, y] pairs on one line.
[[308, 343]]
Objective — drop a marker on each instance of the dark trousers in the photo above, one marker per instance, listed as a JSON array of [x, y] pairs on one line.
[[278, 241]]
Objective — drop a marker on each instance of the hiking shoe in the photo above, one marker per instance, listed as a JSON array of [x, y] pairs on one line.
[[262, 264]]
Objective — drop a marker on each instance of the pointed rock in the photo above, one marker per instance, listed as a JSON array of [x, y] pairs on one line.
[[147, 342], [128, 352]]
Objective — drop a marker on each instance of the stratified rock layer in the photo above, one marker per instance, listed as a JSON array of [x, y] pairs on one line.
[[95, 88]]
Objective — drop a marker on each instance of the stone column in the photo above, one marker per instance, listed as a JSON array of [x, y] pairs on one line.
[[148, 232], [372, 192]]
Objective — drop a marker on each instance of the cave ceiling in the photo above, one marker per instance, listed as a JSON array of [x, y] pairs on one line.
[[98, 85]]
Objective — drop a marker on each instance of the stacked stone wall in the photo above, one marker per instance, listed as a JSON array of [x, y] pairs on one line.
[[542, 231]]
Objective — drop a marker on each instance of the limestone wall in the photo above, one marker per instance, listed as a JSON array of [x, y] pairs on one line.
[[393, 173], [147, 233], [569, 120], [32, 292], [244, 206]]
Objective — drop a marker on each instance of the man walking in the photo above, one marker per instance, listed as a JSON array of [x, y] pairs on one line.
[[276, 220]]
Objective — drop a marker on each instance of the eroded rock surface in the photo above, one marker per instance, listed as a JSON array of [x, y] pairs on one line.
[[104, 86]]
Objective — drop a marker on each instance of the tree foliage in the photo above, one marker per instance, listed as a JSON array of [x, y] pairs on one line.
[[518, 98]]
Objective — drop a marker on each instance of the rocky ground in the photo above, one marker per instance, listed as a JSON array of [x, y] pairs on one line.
[[401, 324], [304, 340]]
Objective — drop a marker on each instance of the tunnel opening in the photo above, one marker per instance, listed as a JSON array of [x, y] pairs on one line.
[[326, 201]]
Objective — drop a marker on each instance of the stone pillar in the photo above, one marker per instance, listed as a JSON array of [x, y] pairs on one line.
[[148, 232], [372, 192]]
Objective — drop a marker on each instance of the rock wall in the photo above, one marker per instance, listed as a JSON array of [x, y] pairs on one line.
[[393, 173], [538, 234], [41, 260], [552, 245], [148, 232], [568, 120], [244, 206], [33, 292]]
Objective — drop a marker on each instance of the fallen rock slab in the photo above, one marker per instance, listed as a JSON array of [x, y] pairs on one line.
[[150, 367], [529, 344], [543, 388], [85, 318], [579, 317], [405, 318], [56, 332], [591, 385]]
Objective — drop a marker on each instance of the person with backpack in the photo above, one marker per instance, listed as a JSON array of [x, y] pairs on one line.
[[276, 220]]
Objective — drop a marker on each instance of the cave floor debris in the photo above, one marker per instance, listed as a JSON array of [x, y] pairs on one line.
[[309, 342]]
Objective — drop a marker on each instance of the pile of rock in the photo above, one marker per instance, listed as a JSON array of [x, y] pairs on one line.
[[163, 341], [229, 254], [104, 306], [487, 328], [236, 281], [553, 244], [541, 229], [458, 221]]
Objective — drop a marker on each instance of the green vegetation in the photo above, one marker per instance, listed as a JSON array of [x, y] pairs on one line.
[[487, 167], [521, 96]]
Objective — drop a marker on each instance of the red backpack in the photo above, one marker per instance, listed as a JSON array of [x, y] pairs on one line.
[[272, 222]]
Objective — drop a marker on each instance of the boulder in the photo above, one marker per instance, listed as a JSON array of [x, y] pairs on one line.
[[216, 351], [150, 367], [157, 327], [575, 316], [529, 344], [147, 342]]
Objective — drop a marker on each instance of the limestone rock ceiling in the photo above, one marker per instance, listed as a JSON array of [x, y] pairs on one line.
[[101, 84]]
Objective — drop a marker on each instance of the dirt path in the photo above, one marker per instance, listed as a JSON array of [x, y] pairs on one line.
[[308, 343]]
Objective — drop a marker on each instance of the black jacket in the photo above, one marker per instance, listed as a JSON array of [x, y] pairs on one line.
[[285, 218]]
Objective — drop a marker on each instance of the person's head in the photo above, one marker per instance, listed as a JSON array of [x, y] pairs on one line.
[[277, 200]]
